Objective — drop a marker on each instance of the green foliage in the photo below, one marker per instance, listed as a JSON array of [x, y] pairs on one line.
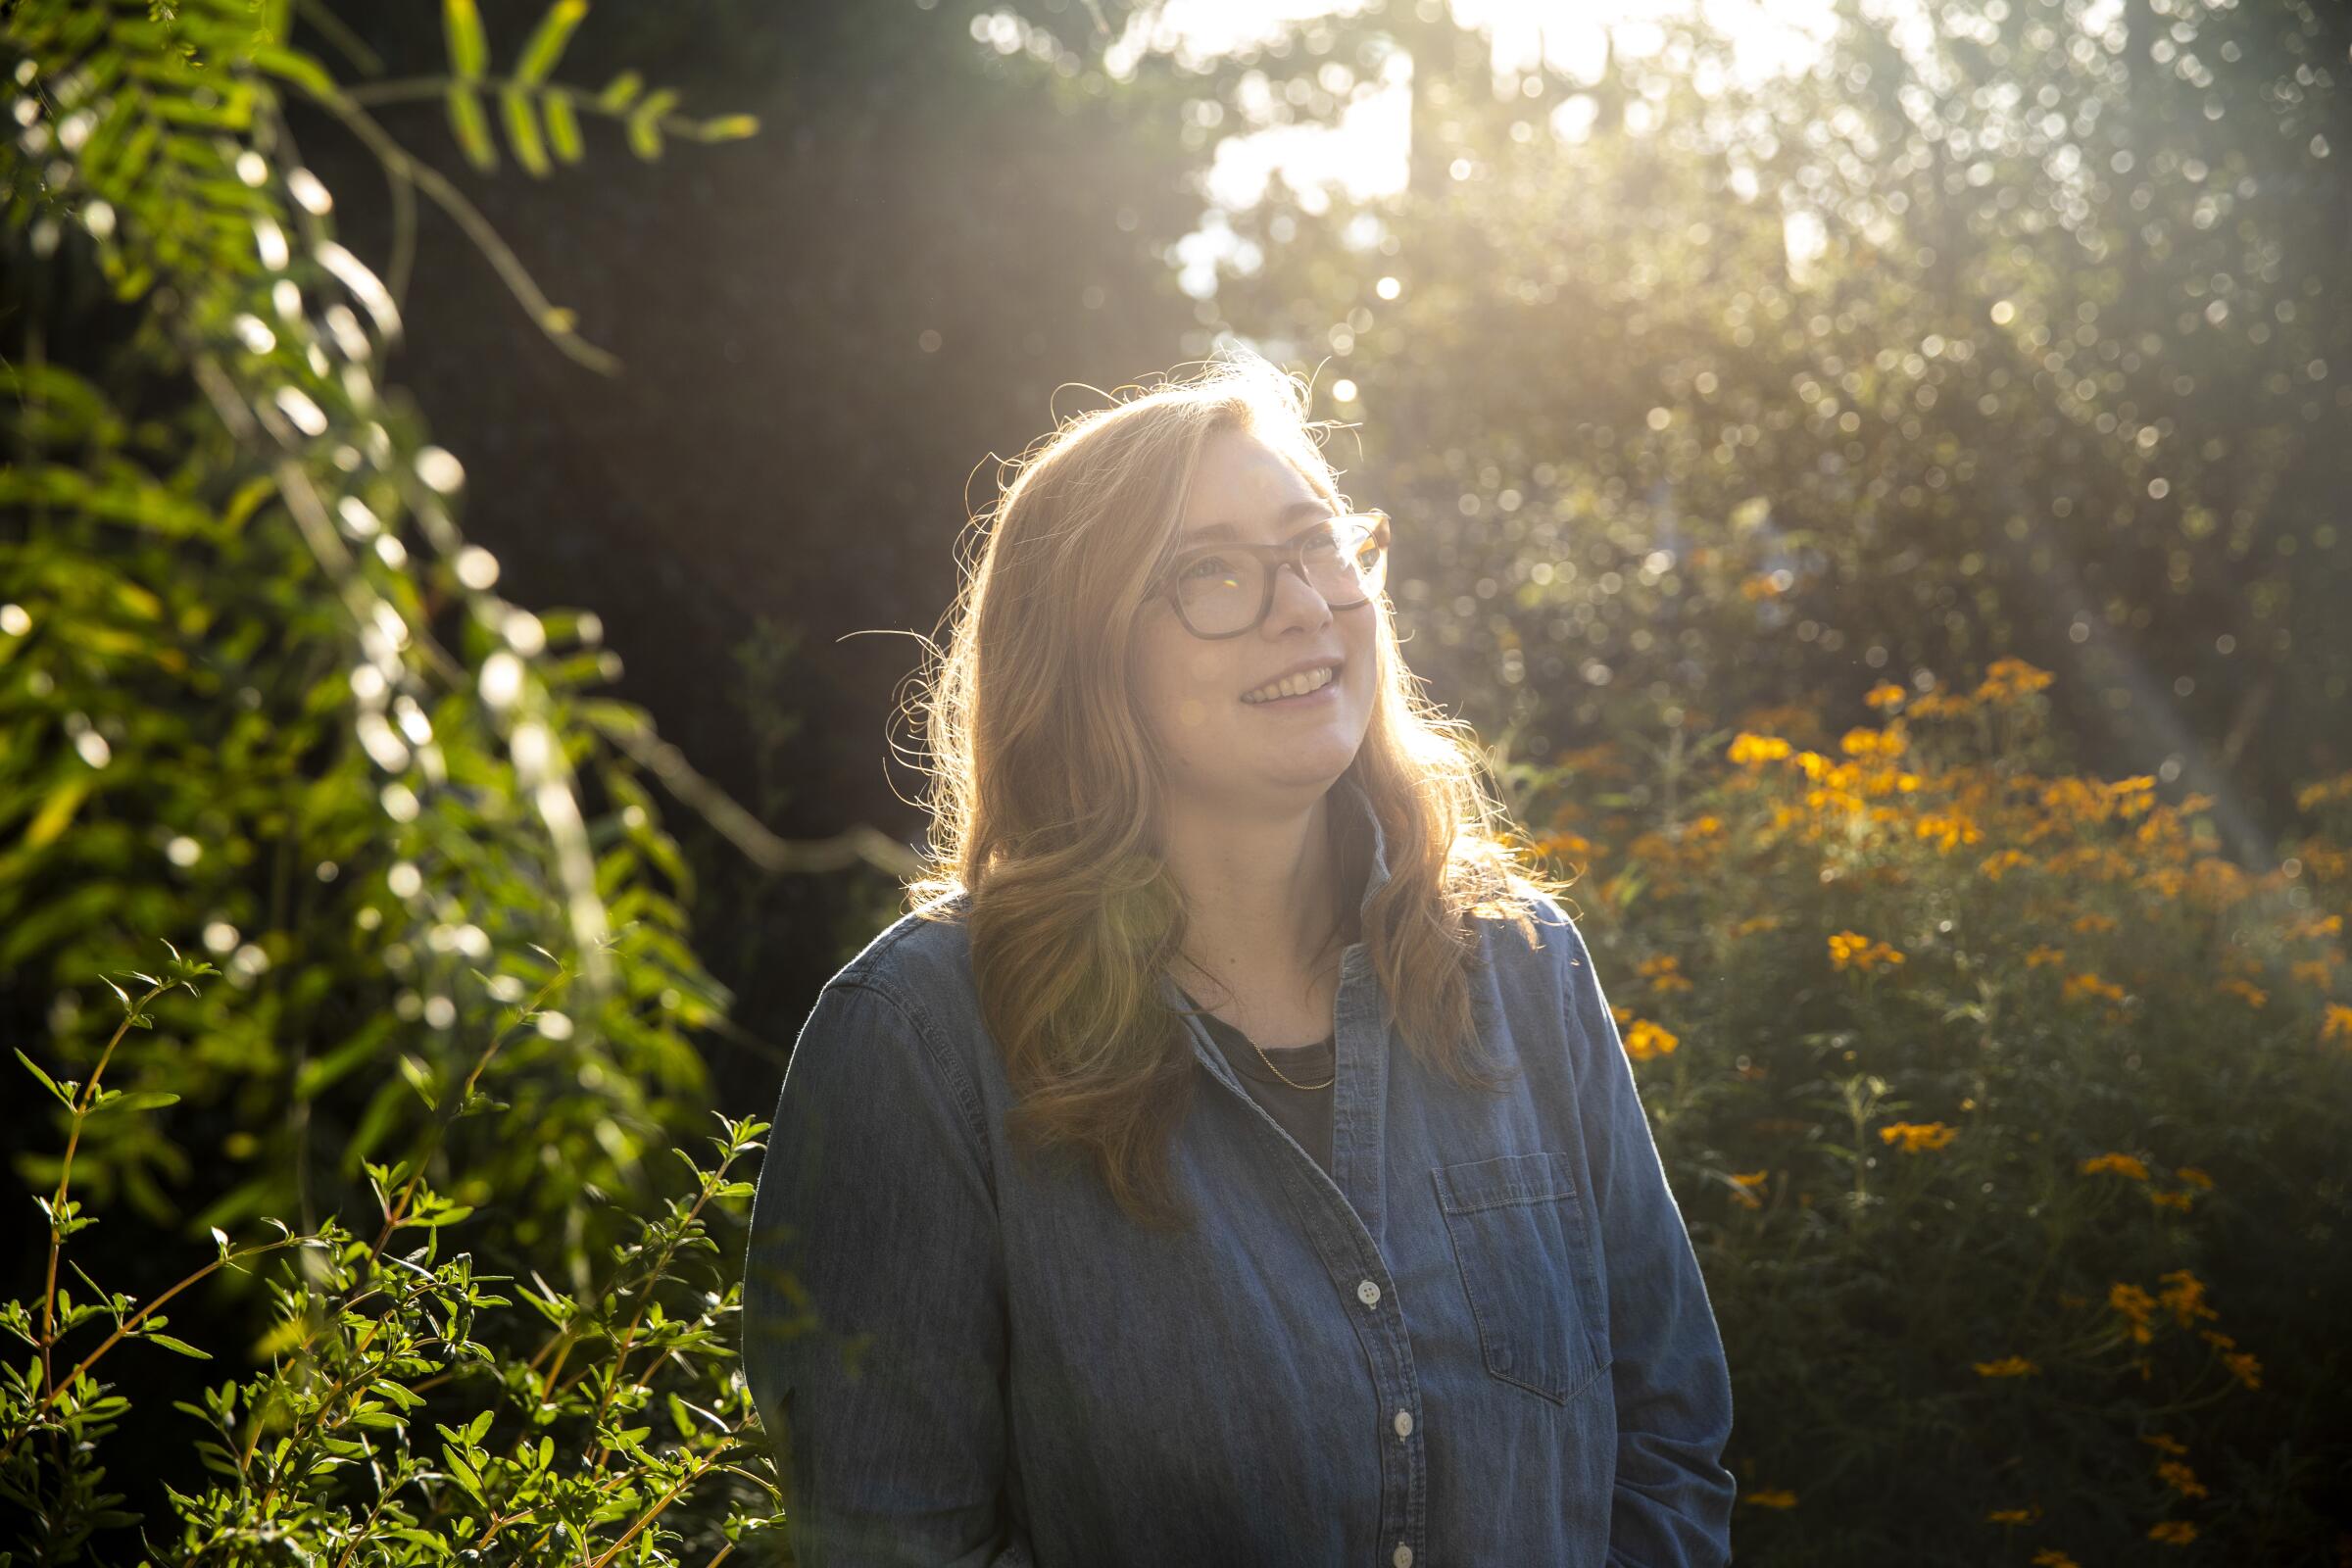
[[263, 690], [604, 1427], [260, 688]]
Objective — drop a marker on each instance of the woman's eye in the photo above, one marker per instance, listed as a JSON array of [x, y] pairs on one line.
[[1205, 568]]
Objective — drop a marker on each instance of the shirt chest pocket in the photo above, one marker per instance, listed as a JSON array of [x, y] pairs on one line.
[[1526, 1250]]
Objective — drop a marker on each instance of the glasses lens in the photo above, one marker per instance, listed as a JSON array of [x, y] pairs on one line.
[[1219, 593], [1344, 563]]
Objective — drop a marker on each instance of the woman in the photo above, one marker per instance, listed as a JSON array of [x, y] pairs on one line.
[[1232, 1159]]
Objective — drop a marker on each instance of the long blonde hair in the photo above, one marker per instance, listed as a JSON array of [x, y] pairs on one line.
[[1045, 788]]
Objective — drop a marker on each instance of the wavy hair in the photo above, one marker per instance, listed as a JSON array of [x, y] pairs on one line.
[[1045, 788]]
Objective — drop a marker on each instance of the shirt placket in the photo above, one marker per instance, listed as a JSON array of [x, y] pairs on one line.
[[1346, 1209]]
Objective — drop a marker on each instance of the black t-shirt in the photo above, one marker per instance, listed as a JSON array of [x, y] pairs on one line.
[[1304, 1113]]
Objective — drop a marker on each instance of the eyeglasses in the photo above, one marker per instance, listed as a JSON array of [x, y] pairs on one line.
[[1224, 590]]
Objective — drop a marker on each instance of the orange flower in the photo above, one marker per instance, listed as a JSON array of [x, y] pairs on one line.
[[2253, 993], [2338, 1024], [1747, 750], [2008, 1366], [1918, 1135], [2014, 1516], [2181, 1478], [2088, 984], [1772, 1497], [1852, 948], [1646, 1039], [2121, 1164], [2174, 1531], [2183, 1296], [2136, 1307]]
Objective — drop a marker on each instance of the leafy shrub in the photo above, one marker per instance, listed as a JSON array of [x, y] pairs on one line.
[[2006, 1114], [547, 1422]]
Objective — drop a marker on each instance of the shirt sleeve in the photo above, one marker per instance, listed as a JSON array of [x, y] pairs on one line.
[[874, 1331], [1672, 1503]]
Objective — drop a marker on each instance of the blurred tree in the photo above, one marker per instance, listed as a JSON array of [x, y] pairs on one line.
[[2006, 328]]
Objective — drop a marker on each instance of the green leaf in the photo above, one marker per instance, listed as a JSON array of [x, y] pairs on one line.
[[421, 1079], [522, 132], [468, 50], [548, 39], [292, 64], [471, 126], [621, 91], [50, 1083], [562, 125], [182, 1346], [728, 127], [140, 1100]]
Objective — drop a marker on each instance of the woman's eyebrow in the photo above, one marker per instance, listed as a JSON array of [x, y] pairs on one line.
[[1226, 531]]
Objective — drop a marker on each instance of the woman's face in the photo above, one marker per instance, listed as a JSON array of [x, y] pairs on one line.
[[1224, 748]]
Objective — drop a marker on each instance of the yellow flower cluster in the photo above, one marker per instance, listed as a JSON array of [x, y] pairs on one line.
[[1748, 750], [2088, 984], [1947, 832], [1868, 743], [2044, 954], [2253, 995], [2184, 1294], [2052, 1557], [2136, 1307], [1886, 694], [2312, 797], [2008, 1366], [2009, 678], [1992, 866], [1664, 973], [1772, 1497], [2181, 1478], [2174, 1531], [1646, 1039], [2121, 1164], [1916, 1136], [1853, 948], [1745, 1185], [2338, 1024]]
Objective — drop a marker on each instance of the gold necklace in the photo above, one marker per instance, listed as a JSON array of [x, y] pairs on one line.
[[1294, 1083], [1277, 1071]]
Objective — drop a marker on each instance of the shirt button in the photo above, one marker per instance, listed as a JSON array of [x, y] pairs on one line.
[[1404, 1423], [1369, 1293], [1402, 1556]]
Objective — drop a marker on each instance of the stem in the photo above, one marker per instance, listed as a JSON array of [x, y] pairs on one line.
[[397, 1211], [65, 1179], [652, 1513], [345, 104], [628, 1336], [124, 1330]]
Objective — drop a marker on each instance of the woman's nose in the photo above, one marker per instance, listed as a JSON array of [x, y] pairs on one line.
[[1296, 600]]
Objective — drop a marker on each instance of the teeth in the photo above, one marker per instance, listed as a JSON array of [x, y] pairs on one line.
[[1291, 686]]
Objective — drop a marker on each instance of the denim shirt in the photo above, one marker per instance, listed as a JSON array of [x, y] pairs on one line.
[[1480, 1341]]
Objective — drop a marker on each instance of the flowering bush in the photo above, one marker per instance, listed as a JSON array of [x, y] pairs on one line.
[[2006, 1116]]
